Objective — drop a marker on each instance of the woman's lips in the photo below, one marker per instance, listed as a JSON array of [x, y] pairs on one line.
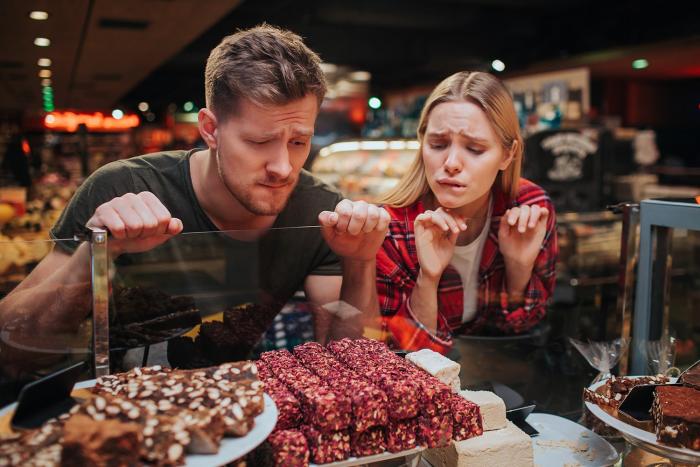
[[451, 184]]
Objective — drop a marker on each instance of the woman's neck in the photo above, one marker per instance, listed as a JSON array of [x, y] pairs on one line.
[[474, 213]]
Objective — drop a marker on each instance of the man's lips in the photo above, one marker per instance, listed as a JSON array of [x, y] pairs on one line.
[[275, 186]]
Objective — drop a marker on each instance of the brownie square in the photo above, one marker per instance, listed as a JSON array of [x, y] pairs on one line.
[[676, 413], [219, 343], [87, 442]]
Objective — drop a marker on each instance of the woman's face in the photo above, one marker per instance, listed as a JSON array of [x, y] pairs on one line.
[[462, 154]]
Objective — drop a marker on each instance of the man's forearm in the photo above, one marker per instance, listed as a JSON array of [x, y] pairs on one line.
[[52, 301], [359, 289]]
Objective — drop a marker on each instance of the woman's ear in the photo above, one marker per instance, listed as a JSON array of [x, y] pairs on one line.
[[509, 155], [208, 127]]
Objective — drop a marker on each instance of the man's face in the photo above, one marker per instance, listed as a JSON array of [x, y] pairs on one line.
[[261, 151]]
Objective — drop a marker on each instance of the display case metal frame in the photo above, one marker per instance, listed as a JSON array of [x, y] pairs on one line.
[[658, 218], [99, 267]]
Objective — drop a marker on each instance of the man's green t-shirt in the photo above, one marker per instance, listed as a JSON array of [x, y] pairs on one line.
[[281, 259]]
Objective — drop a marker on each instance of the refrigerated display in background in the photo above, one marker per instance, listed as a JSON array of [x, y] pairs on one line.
[[364, 169]]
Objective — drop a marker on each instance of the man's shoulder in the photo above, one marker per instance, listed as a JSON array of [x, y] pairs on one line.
[[310, 185], [155, 160]]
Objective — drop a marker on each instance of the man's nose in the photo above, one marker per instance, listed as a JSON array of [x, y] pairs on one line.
[[280, 167]]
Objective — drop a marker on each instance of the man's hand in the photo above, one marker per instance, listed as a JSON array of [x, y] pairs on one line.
[[137, 222], [355, 230]]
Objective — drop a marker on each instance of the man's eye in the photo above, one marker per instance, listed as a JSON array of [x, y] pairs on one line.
[[299, 143], [259, 141], [437, 146]]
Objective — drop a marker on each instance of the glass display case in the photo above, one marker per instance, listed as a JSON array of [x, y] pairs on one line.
[[205, 298]]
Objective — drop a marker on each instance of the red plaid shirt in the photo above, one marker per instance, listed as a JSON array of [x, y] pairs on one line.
[[397, 272]]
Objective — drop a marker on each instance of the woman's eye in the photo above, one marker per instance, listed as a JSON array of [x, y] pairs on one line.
[[299, 143], [437, 146], [476, 151], [258, 142]]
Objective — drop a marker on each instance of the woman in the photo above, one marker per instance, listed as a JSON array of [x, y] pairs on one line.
[[472, 246]]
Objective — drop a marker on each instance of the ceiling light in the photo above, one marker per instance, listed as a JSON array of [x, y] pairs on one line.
[[498, 65], [189, 105], [38, 15], [118, 114], [42, 42], [374, 103], [360, 76], [44, 62], [143, 106], [328, 67], [44, 73], [640, 64]]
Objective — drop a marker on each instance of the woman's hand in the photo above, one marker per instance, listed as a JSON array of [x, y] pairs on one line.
[[520, 237], [436, 235]]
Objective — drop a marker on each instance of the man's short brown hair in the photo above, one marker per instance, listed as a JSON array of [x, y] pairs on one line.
[[265, 64]]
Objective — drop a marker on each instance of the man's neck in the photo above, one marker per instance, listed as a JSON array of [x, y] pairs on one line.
[[222, 208]]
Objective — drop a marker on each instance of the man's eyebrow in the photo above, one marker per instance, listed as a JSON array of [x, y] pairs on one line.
[[302, 132]]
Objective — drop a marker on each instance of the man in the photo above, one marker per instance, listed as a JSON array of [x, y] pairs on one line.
[[263, 89]]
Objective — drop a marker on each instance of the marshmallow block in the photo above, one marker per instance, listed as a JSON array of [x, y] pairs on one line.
[[493, 409], [436, 364], [509, 447]]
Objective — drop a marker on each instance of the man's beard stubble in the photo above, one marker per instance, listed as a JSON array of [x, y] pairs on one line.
[[246, 198]]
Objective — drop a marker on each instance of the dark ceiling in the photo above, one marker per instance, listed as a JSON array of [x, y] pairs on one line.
[[99, 62], [404, 42]]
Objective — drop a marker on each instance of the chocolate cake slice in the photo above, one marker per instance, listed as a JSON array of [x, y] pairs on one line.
[[692, 376], [676, 413]]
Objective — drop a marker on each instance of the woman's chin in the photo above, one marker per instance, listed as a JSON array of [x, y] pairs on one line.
[[448, 202]]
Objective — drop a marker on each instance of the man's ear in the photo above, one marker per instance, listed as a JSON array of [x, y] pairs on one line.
[[207, 123], [509, 155]]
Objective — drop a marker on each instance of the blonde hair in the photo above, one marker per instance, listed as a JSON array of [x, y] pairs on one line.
[[489, 93]]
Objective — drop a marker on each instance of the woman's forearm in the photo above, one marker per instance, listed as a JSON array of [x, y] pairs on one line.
[[424, 303], [517, 278]]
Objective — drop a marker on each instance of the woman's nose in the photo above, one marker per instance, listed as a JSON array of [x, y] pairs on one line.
[[452, 164]]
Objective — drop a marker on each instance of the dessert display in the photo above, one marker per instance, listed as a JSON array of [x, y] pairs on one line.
[[147, 416], [358, 398]]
